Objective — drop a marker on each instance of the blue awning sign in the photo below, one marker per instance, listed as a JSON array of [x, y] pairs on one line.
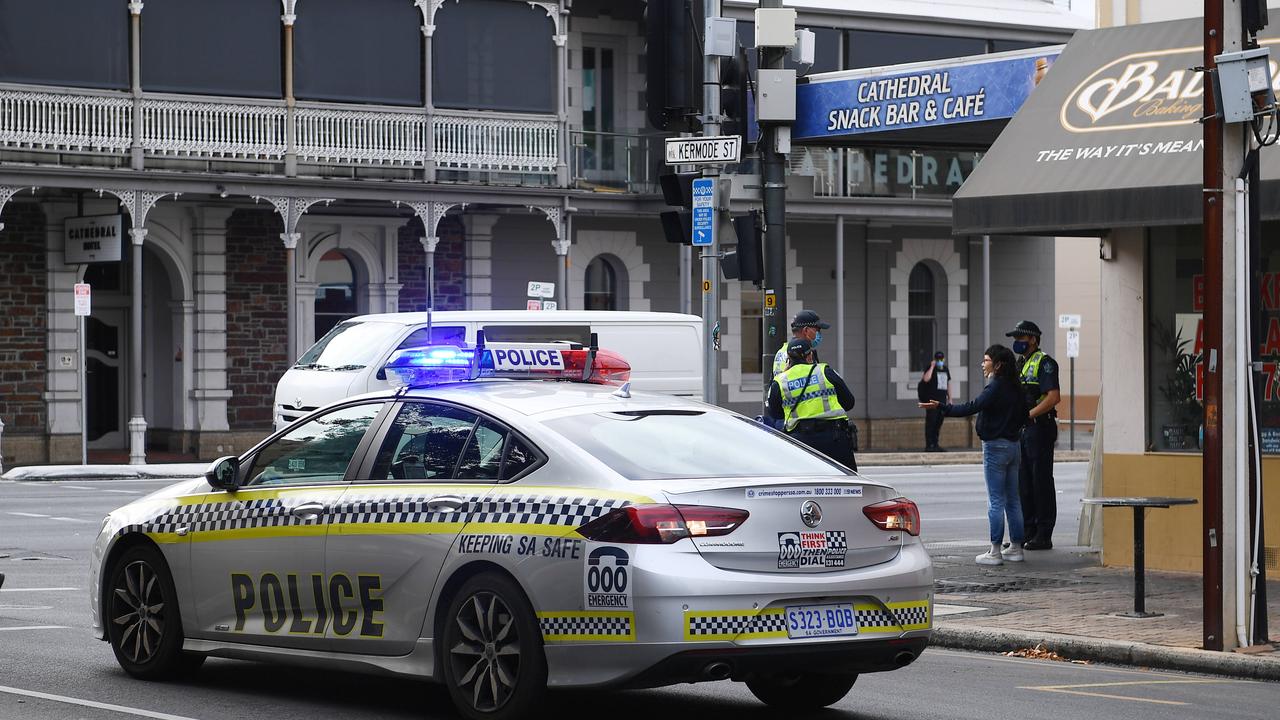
[[985, 87]]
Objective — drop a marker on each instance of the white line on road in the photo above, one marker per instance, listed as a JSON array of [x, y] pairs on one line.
[[30, 515], [122, 492], [48, 589], [36, 627], [67, 519], [90, 703]]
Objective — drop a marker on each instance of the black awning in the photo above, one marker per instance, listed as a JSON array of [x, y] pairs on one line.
[[1108, 139]]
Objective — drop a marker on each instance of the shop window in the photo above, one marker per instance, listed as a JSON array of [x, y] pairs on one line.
[[922, 317], [335, 291], [869, 48], [601, 286]]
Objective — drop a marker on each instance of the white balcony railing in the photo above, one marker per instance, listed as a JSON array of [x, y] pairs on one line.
[[257, 131], [495, 142], [81, 122], [383, 136], [205, 129]]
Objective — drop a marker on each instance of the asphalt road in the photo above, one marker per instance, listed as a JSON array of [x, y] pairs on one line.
[[51, 668]]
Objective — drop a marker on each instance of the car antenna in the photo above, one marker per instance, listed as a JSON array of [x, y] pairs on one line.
[[624, 391]]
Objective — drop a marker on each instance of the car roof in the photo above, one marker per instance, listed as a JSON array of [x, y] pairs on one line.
[[537, 397], [522, 316]]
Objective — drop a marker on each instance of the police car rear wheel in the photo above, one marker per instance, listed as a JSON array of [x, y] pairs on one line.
[[141, 614], [494, 665], [805, 691]]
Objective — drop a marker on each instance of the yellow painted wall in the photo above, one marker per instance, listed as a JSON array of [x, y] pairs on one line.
[[1173, 534]]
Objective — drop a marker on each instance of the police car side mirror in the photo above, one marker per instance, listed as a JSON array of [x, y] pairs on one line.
[[224, 473]]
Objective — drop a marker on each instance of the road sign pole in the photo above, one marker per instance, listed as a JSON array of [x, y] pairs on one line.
[[710, 252], [1073, 404], [82, 308]]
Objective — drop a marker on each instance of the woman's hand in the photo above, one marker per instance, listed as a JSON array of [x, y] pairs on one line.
[[931, 405]]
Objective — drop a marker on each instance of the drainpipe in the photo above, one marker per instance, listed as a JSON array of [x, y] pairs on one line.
[[290, 125], [290, 240], [1242, 410], [135, 80], [986, 292]]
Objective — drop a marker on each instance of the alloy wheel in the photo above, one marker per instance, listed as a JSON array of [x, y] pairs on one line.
[[137, 609], [486, 658]]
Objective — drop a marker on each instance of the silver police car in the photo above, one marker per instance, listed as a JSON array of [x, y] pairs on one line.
[[503, 536]]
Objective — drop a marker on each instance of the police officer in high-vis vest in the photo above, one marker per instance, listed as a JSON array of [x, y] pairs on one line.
[[813, 402], [1041, 393], [806, 325]]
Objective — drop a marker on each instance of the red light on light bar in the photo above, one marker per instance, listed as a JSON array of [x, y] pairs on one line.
[[608, 368]]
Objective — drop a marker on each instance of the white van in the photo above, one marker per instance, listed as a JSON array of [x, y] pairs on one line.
[[664, 349]]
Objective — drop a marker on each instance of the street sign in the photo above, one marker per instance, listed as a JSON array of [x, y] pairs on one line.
[[1073, 343], [704, 214], [542, 289], [533, 305], [549, 305], [1068, 321], [704, 150], [82, 298]]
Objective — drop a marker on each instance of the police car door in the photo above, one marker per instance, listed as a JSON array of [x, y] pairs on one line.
[[258, 555], [397, 522]]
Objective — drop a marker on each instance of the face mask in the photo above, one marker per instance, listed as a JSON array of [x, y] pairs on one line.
[[1020, 347], [942, 364], [817, 339]]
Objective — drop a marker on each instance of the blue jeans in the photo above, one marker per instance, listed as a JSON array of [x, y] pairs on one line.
[[1000, 460]]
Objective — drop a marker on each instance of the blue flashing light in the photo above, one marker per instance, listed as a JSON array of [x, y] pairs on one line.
[[430, 365]]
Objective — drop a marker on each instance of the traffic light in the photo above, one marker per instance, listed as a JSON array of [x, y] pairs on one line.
[[746, 261], [673, 64], [735, 84], [677, 191]]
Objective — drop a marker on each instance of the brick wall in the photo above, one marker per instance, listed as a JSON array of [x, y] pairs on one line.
[[256, 316], [451, 283], [23, 284]]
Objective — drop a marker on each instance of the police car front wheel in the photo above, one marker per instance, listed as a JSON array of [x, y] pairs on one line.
[[803, 691], [143, 623], [494, 664]]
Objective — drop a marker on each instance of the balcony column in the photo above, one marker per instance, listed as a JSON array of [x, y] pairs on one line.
[[562, 103], [558, 216], [428, 9], [208, 354], [290, 104], [135, 80], [431, 213], [290, 210]]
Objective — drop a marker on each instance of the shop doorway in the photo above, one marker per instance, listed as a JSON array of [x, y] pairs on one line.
[[106, 340]]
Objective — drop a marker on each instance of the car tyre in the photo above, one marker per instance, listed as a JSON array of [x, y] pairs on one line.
[[806, 691], [144, 624], [494, 666]]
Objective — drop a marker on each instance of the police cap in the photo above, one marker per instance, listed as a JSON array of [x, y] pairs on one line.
[[1024, 327], [808, 318], [799, 349]]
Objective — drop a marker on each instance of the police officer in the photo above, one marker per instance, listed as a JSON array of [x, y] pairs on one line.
[[1041, 393], [806, 325], [814, 403]]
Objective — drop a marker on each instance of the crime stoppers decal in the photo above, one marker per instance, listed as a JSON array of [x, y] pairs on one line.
[[812, 549]]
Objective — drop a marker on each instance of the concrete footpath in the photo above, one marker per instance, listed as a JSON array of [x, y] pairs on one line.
[[1058, 604]]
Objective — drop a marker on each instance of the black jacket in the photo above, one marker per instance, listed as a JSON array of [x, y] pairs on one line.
[[1000, 409]]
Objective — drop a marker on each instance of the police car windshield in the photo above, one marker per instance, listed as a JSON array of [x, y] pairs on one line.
[[349, 346], [656, 445]]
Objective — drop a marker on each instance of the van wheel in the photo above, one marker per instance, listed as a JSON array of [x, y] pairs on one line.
[[494, 666], [805, 691], [143, 622]]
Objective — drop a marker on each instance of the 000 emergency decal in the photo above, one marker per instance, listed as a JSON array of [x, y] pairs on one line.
[[607, 578], [348, 604]]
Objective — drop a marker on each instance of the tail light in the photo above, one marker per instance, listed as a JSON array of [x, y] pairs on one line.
[[894, 515], [662, 524]]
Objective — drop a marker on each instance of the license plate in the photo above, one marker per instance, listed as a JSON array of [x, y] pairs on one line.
[[808, 621]]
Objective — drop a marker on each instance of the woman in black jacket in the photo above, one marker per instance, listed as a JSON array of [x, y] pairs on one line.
[[1001, 415]]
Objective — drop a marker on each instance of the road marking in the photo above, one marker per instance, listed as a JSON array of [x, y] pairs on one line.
[[90, 703], [30, 515], [1078, 689], [36, 627], [122, 492], [941, 610], [67, 519], [48, 589]]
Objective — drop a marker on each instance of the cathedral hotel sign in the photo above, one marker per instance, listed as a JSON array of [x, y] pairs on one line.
[[92, 239]]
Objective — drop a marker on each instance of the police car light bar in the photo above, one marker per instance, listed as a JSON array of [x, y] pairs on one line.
[[438, 364]]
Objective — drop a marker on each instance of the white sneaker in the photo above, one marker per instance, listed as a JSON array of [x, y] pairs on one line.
[[1012, 553], [989, 558]]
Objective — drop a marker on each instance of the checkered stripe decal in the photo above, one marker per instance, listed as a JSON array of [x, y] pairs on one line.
[[837, 540], [734, 625], [912, 615], [869, 619], [568, 511], [583, 626]]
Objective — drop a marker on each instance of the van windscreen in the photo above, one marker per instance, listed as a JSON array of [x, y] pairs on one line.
[[537, 333], [349, 346]]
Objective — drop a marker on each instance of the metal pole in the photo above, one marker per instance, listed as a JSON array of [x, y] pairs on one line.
[[290, 241], [686, 269], [84, 398], [710, 254], [840, 326], [775, 216], [986, 290], [137, 423], [1139, 562], [1073, 403]]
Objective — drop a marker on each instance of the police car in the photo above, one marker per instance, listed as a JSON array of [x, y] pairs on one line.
[[501, 533]]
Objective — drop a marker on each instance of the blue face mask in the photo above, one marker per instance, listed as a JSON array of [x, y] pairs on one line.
[[1020, 347], [817, 339]]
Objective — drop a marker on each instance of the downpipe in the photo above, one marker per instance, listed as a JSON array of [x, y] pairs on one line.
[[1242, 391]]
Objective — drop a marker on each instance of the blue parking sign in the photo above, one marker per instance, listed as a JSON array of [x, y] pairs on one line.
[[704, 214]]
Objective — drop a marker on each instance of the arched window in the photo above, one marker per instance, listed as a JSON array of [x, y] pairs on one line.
[[922, 316], [601, 283], [335, 291]]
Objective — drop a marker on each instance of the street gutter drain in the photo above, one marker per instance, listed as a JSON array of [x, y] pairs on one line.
[[983, 585]]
